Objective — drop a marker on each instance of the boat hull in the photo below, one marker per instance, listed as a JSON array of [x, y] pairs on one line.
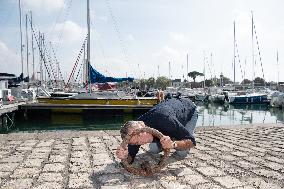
[[246, 99], [138, 101]]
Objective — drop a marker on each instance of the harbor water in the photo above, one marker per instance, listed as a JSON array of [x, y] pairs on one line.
[[208, 115]]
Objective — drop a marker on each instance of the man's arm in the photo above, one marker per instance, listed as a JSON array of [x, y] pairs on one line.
[[183, 144]]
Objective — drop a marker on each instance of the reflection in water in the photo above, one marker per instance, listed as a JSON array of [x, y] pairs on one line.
[[215, 114], [209, 115]]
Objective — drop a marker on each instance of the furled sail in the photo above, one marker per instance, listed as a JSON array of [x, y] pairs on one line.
[[97, 77]]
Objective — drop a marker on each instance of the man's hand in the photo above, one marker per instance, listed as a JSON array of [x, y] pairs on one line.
[[167, 142], [122, 152]]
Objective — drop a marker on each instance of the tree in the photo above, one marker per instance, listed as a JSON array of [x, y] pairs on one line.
[[162, 82], [194, 74], [246, 82], [150, 82], [259, 81]]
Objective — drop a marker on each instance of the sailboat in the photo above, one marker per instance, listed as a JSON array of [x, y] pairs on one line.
[[107, 97], [248, 98]]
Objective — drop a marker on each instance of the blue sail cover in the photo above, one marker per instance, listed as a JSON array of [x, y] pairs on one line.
[[97, 77]]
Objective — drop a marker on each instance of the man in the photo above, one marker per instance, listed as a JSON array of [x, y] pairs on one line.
[[176, 118]]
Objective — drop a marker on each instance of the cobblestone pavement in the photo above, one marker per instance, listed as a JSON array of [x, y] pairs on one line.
[[225, 157]]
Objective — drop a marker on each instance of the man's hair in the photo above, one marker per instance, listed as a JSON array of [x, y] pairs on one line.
[[124, 129]]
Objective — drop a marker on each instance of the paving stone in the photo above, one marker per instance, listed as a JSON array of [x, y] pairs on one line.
[[8, 166], [111, 178], [50, 177], [18, 183], [275, 159], [107, 168], [228, 181], [81, 180], [228, 157], [45, 143], [184, 171], [4, 174], [24, 148], [262, 184], [61, 146], [79, 141], [12, 159], [57, 159], [14, 142], [274, 166], [254, 159], [115, 187], [25, 173], [38, 155], [32, 162], [239, 153], [194, 179], [210, 171], [173, 184], [54, 167], [208, 186], [268, 173], [79, 154], [100, 159], [94, 140], [49, 185], [41, 150], [245, 164]]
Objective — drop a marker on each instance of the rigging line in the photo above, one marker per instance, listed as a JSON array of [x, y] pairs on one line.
[[40, 49], [57, 18], [56, 60], [51, 64], [239, 60], [77, 60], [115, 23], [79, 71], [260, 59], [60, 35], [206, 58]]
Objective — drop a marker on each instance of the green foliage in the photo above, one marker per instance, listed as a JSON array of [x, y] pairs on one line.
[[259, 81], [162, 82], [194, 74]]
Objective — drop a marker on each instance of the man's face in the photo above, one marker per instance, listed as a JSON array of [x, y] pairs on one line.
[[142, 138]]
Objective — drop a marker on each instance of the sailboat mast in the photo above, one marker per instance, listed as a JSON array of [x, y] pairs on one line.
[[33, 76], [88, 44], [27, 44], [252, 47], [278, 71], [234, 53], [22, 61], [187, 67]]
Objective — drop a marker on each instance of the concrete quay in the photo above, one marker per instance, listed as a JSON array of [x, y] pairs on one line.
[[240, 157]]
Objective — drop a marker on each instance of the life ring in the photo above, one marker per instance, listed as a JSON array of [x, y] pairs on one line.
[[146, 169]]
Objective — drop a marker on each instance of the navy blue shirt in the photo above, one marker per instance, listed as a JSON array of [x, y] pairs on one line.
[[169, 117]]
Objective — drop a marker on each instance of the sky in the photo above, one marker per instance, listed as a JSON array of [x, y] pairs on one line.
[[151, 38]]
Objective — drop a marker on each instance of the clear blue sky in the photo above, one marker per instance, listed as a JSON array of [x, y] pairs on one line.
[[135, 37]]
